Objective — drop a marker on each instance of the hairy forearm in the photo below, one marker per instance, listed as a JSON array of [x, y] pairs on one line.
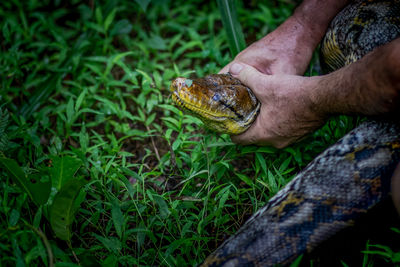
[[296, 39], [314, 16], [370, 86]]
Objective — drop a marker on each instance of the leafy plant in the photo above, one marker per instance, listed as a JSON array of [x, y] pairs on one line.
[[385, 252]]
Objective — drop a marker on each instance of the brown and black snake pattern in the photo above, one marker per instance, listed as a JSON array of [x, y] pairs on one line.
[[343, 182]]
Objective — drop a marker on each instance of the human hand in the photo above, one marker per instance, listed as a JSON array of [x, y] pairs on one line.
[[287, 112], [289, 48], [284, 51]]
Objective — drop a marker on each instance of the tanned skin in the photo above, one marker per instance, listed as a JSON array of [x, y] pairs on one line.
[[289, 48], [292, 105]]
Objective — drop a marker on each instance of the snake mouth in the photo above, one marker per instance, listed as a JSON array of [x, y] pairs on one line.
[[205, 114]]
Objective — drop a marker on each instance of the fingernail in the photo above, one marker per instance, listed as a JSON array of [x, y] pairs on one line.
[[235, 68]]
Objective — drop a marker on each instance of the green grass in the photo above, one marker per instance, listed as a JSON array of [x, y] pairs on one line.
[[85, 104]]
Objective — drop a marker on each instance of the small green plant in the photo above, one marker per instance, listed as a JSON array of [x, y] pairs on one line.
[[384, 252]]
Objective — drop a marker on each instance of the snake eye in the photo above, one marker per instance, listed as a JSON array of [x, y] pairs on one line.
[[216, 97]]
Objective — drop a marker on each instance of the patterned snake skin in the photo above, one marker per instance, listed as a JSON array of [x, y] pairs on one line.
[[342, 183]]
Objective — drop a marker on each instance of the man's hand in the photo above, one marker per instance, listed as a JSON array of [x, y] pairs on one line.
[[289, 48], [285, 50], [293, 106], [287, 113]]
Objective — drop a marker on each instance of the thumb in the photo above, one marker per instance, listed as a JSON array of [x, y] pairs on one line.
[[249, 75], [225, 69]]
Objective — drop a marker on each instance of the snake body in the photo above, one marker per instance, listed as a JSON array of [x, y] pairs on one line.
[[337, 187], [342, 183]]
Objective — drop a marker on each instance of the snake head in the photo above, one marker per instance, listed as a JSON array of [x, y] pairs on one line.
[[221, 101]]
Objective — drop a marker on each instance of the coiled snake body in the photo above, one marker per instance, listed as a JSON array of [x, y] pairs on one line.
[[342, 183]]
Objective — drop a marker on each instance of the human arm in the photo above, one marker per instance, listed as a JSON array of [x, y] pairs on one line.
[[293, 106], [289, 48]]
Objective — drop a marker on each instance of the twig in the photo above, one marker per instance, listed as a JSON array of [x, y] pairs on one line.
[[154, 145], [45, 242]]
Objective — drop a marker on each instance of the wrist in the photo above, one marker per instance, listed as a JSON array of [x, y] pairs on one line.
[[317, 95], [291, 40], [369, 86], [337, 92], [315, 17]]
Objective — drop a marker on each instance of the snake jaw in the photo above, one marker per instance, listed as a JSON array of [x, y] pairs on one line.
[[186, 96], [195, 109], [220, 101]]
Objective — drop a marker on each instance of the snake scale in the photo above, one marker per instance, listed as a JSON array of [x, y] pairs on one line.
[[338, 186]]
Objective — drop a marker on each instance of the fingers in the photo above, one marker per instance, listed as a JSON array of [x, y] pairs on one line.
[[225, 69], [246, 138], [251, 77], [253, 135]]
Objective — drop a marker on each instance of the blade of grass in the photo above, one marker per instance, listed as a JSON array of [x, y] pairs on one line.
[[232, 26], [40, 95]]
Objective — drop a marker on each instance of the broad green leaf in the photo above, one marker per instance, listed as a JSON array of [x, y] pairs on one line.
[[37, 190], [122, 26], [272, 182], [118, 218], [70, 110], [232, 26], [109, 19], [120, 56], [3, 134], [6, 32], [395, 230], [19, 262], [177, 71], [143, 4], [266, 149], [128, 185], [189, 45], [110, 261], [162, 205], [156, 42], [171, 108], [115, 59], [244, 178], [150, 119], [168, 134], [38, 217], [224, 194], [80, 99], [297, 261], [63, 169], [62, 210], [42, 93], [176, 144], [14, 217], [146, 76], [261, 160], [112, 243], [99, 16]]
